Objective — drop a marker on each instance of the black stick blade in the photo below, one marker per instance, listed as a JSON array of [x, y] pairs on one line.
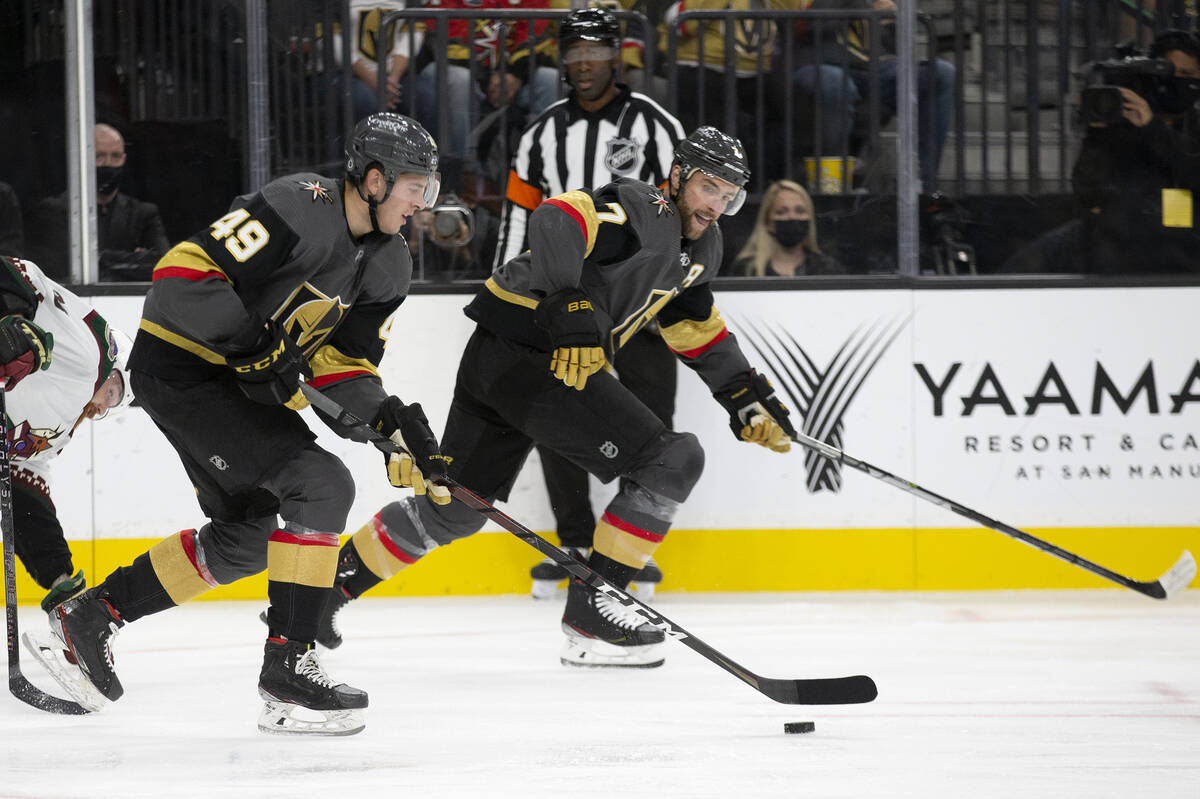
[[33, 696], [832, 691]]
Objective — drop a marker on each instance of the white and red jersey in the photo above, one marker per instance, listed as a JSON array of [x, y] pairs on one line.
[[46, 407]]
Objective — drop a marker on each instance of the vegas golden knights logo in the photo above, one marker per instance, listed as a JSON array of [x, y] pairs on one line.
[[819, 394], [308, 317]]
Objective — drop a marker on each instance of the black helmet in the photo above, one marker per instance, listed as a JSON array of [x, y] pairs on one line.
[[717, 154], [589, 24], [398, 145]]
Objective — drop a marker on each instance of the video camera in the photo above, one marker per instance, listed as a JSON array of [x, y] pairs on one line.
[[453, 222], [943, 220], [1131, 69]]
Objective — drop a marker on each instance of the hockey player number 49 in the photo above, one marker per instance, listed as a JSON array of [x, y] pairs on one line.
[[243, 236]]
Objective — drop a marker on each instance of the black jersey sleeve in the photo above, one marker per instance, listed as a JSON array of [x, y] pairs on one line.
[[17, 293], [693, 328], [248, 242]]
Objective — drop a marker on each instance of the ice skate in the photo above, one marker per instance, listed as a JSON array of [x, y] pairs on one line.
[[295, 688], [602, 632], [646, 580], [548, 575], [78, 651]]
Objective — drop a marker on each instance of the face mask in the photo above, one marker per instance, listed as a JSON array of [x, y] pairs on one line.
[[107, 178], [790, 232]]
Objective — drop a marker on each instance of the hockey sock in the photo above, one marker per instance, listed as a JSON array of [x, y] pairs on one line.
[[168, 575], [615, 572], [300, 571], [380, 553], [353, 576], [624, 543]]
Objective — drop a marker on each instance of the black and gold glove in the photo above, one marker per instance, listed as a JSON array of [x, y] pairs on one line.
[[24, 349], [756, 414], [570, 320], [421, 462], [271, 372]]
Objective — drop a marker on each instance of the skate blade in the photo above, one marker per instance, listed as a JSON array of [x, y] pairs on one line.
[[279, 718], [548, 589], [50, 654], [589, 653]]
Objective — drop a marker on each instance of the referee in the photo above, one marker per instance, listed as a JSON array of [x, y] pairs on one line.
[[599, 132]]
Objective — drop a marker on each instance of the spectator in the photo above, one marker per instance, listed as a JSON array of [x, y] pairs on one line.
[[838, 67], [702, 84], [365, 17], [599, 132], [784, 240], [130, 232], [1135, 180], [527, 77], [12, 232]]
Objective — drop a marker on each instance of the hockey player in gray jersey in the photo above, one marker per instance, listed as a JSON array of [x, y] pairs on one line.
[[62, 364], [298, 281], [599, 132], [601, 265]]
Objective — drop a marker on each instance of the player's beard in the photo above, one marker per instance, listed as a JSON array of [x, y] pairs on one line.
[[691, 227]]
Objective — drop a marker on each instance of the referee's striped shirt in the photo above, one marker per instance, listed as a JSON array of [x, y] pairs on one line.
[[568, 148]]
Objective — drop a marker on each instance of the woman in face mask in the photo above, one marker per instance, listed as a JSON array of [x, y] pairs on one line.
[[784, 240]]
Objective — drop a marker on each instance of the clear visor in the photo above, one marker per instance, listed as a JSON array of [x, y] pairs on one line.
[[433, 188], [591, 51], [721, 192]]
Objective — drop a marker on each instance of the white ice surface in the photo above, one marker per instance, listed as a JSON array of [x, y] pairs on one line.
[[1006, 695]]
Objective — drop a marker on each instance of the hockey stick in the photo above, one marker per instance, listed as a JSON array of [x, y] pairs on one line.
[[1177, 578], [20, 687], [821, 691]]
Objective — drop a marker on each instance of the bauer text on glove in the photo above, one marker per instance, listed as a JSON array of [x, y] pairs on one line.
[[271, 371], [420, 463], [756, 414], [569, 318]]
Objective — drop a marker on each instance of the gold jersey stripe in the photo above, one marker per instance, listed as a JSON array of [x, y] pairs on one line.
[[692, 335], [330, 360], [189, 255], [187, 344], [580, 207], [509, 296]]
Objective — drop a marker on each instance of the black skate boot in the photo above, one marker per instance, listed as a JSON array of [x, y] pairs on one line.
[[292, 678], [645, 581], [603, 632], [79, 651], [548, 574]]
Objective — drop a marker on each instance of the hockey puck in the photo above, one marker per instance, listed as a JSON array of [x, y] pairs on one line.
[[796, 727]]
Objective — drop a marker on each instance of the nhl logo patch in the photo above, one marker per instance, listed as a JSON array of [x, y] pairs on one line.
[[609, 450], [621, 155], [219, 462]]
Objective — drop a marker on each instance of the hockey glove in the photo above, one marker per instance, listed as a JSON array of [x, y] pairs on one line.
[[421, 462], [24, 349], [569, 318], [756, 414], [272, 371]]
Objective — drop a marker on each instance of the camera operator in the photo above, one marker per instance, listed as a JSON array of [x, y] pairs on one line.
[[1137, 175]]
